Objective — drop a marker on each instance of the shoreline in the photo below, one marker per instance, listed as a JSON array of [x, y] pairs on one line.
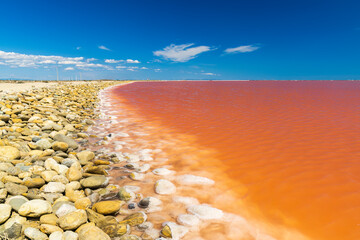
[[52, 186]]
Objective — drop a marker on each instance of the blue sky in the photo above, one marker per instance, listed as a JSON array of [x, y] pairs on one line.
[[143, 39]]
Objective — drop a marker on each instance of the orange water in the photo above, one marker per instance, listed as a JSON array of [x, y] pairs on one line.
[[295, 146]]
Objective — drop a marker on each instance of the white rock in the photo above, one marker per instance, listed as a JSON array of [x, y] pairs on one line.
[[70, 235], [35, 208], [143, 168], [205, 212], [164, 187], [65, 209], [188, 220], [35, 234], [56, 236], [187, 201], [177, 231], [162, 171], [131, 188], [146, 157], [137, 176], [14, 219], [194, 180], [5, 211], [54, 187]]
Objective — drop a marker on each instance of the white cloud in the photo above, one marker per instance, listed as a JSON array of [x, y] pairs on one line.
[[118, 61], [91, 59], [132, 61], [181, 53], [13, 59], [209, 74], [104, 48], [69, 69], [78, 48], [120, 67], [242, 49], [144, 68], [113, 61]]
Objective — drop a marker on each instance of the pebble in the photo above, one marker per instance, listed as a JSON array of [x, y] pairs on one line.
[[205, 212], [162, 171], [194, 180], [164, 187], [35, 234], [5, 211], [73, 220], [35, 208]]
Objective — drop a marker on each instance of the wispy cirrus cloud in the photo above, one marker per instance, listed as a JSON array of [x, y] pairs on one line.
[[69, 69], [13, 59], [102, 47], [242, 49], [121, 61], [181, 53]]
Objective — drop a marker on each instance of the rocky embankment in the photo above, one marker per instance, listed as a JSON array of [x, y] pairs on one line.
[[52, 186]]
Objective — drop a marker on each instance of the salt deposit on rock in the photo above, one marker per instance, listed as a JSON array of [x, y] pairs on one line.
[[164, 187], [188, 220], [162, 171], [205, 212], [173, 230], [194, 180], [187, 201]]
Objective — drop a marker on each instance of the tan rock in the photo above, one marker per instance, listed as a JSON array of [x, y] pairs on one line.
[[8, 153], [34, 182], [74, 173], [60, 146], [83, 203], [108, 207], [73, 220], [49, 219], [48, 228], [85, 156], [92, 233]]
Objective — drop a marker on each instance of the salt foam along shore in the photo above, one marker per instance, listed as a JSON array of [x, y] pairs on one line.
[[141, 169]]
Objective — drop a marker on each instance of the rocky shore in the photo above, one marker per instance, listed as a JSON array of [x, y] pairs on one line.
[[53, 186]]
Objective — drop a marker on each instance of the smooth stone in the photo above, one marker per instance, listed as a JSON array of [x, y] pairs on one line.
[[151, 204], [137, 176], [49, 229], [60, 146], [5, 211], [130, 237], [48, 219], [205, 212], [188, 220], [126, 195], [61, 208], [43, 144], [15, 189], [83, 203], [62, 138], [16, 202], [74, 173], [108, 207], [14, 232], [54, 187], [134, 219], [85, 156], [8, 153], [73, 220], [58, 235], [187, 201], [34, 182], [35, 208], [92, 233], [173, 230], [111, 227], [94, 182], [35, 234], [194, 180], [48, 175], [162, 171], [164, 187], [69, 235]]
